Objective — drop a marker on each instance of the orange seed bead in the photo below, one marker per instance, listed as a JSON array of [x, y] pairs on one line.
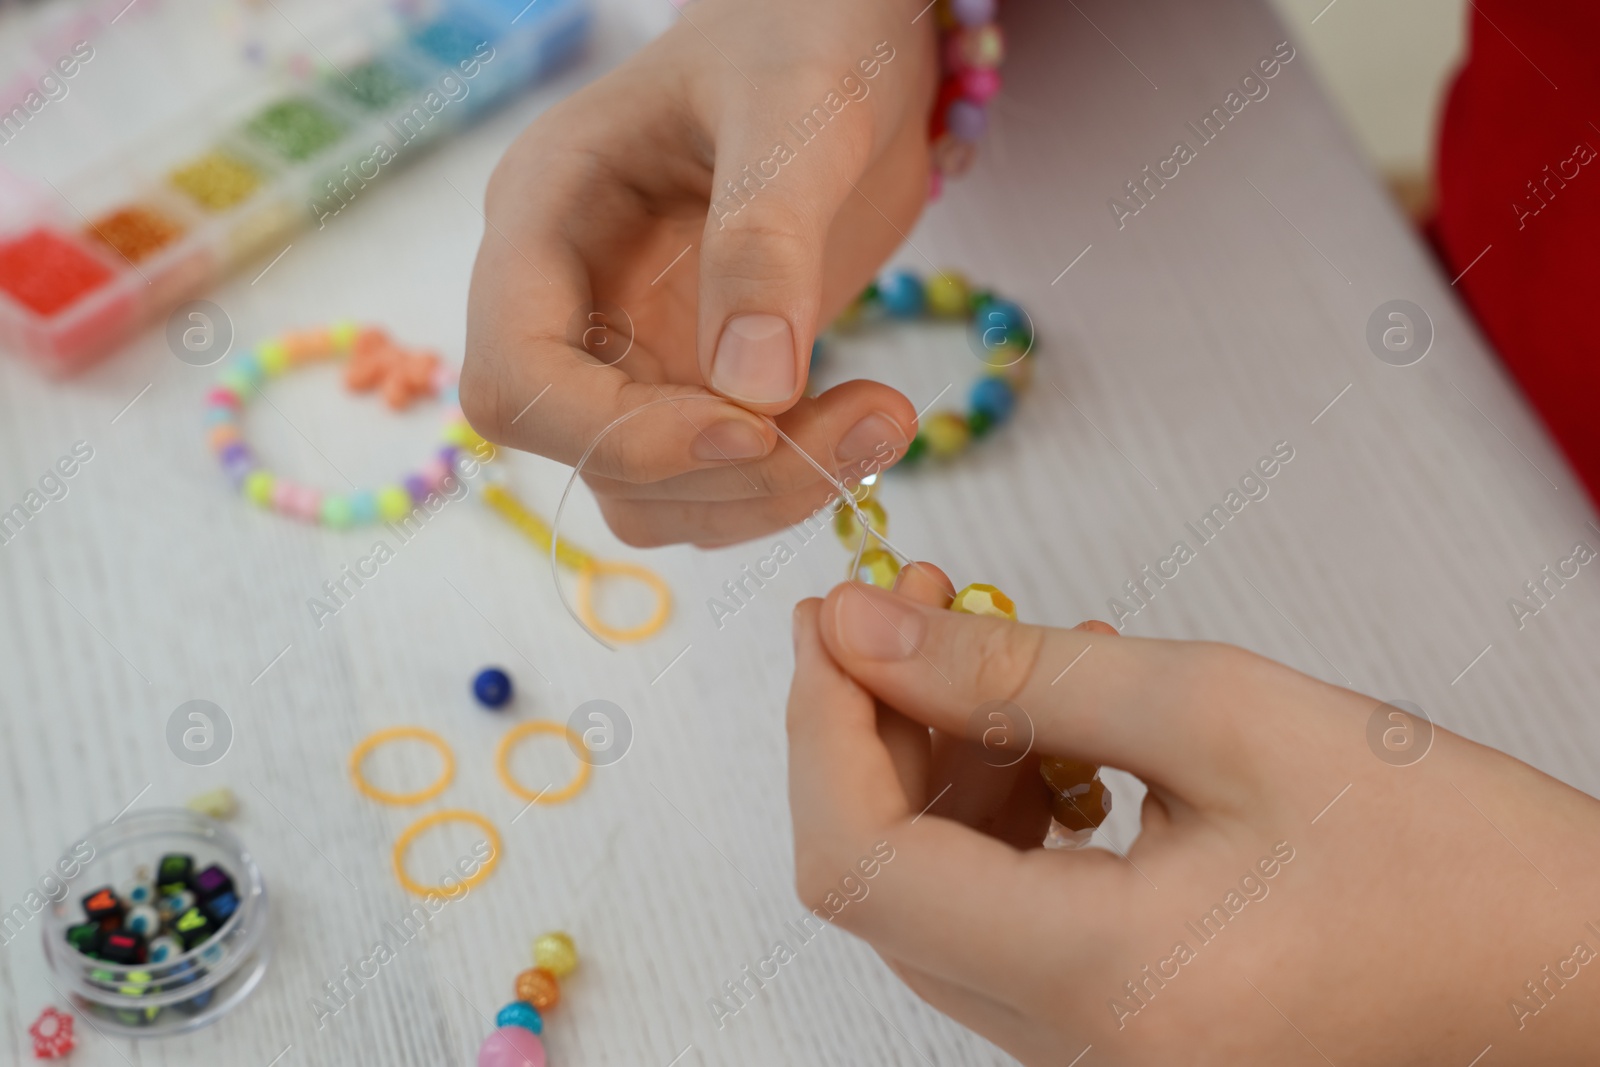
[[538, 987]]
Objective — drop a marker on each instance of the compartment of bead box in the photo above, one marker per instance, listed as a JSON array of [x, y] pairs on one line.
[[234, 180], [188, 989]]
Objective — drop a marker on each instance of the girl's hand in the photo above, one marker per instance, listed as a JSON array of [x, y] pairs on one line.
[[1293, 896], [783, 196]]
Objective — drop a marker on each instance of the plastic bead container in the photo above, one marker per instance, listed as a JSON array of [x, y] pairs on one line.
[[194, 988], [231, 182]]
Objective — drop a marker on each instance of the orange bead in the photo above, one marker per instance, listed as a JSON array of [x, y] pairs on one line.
[[1085, 810], [222, 435], [303, 346], [1063, 773], [538, 987]]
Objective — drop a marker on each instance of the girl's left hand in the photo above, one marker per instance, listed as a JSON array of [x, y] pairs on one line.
[[1293, 897]]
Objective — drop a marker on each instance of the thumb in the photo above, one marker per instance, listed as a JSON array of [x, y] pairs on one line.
[[774, 196], [1167, 711]]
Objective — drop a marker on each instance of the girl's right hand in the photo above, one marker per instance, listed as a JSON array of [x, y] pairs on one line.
[[816, 114]]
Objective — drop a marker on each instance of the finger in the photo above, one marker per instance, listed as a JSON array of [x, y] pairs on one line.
[[832, 725], [925, 584], [528, 380], [1160, 709], [853, 430], [945, 896], [653, 523], [909, 742], [993, 788], [766, 238]]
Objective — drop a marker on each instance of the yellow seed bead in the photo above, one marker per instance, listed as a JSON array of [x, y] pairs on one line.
[[980, 599], [880, 568], [947, 434], [394, 503], [848, 527], [946, 295], [556, 953], [258, 488]]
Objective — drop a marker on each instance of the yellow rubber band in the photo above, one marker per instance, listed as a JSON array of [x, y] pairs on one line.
[[607, 569], [428, 822], [533, 527], [398, 733], [588, 569], [502, 762]]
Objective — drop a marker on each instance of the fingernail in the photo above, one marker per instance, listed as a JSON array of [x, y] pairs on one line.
[[754, 360], [869, 437], [729, 439], [877, 625]]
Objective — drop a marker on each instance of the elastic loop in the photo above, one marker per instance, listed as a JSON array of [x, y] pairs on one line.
[[502, 762], [398, 733], [600, 568], [428, 822]]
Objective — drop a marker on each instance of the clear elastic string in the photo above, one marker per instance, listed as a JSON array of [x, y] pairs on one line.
[[555, 532]]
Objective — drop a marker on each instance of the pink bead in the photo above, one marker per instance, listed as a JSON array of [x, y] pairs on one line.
[[220, 396], [511, 1046], [980, 86], [283, 494], [444, 376], [434, 472], [297, 501]]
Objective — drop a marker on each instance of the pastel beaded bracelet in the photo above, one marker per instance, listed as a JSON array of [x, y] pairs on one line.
[[374, 362], [1002, 337], [971, 48]]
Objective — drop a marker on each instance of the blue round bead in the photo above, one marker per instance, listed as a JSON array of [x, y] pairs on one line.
[[901, 293], [993, 396], [816, 352], [363, 506], [1003, 315], [520, 1013], [492, 687]]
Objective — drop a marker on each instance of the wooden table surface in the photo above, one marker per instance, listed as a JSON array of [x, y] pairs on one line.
[[1228, 315]]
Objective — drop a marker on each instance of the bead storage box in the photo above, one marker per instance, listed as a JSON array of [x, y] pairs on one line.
[[84, 265], [199, 974]]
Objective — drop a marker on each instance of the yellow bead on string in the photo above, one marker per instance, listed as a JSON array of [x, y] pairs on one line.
[[848, 527], [981, 599], [879, 568], [556, 953]]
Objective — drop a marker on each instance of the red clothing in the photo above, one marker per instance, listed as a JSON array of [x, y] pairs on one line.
[[1519, 170]]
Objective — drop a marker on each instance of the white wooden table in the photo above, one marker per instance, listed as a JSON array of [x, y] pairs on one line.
[[1227, 315]]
